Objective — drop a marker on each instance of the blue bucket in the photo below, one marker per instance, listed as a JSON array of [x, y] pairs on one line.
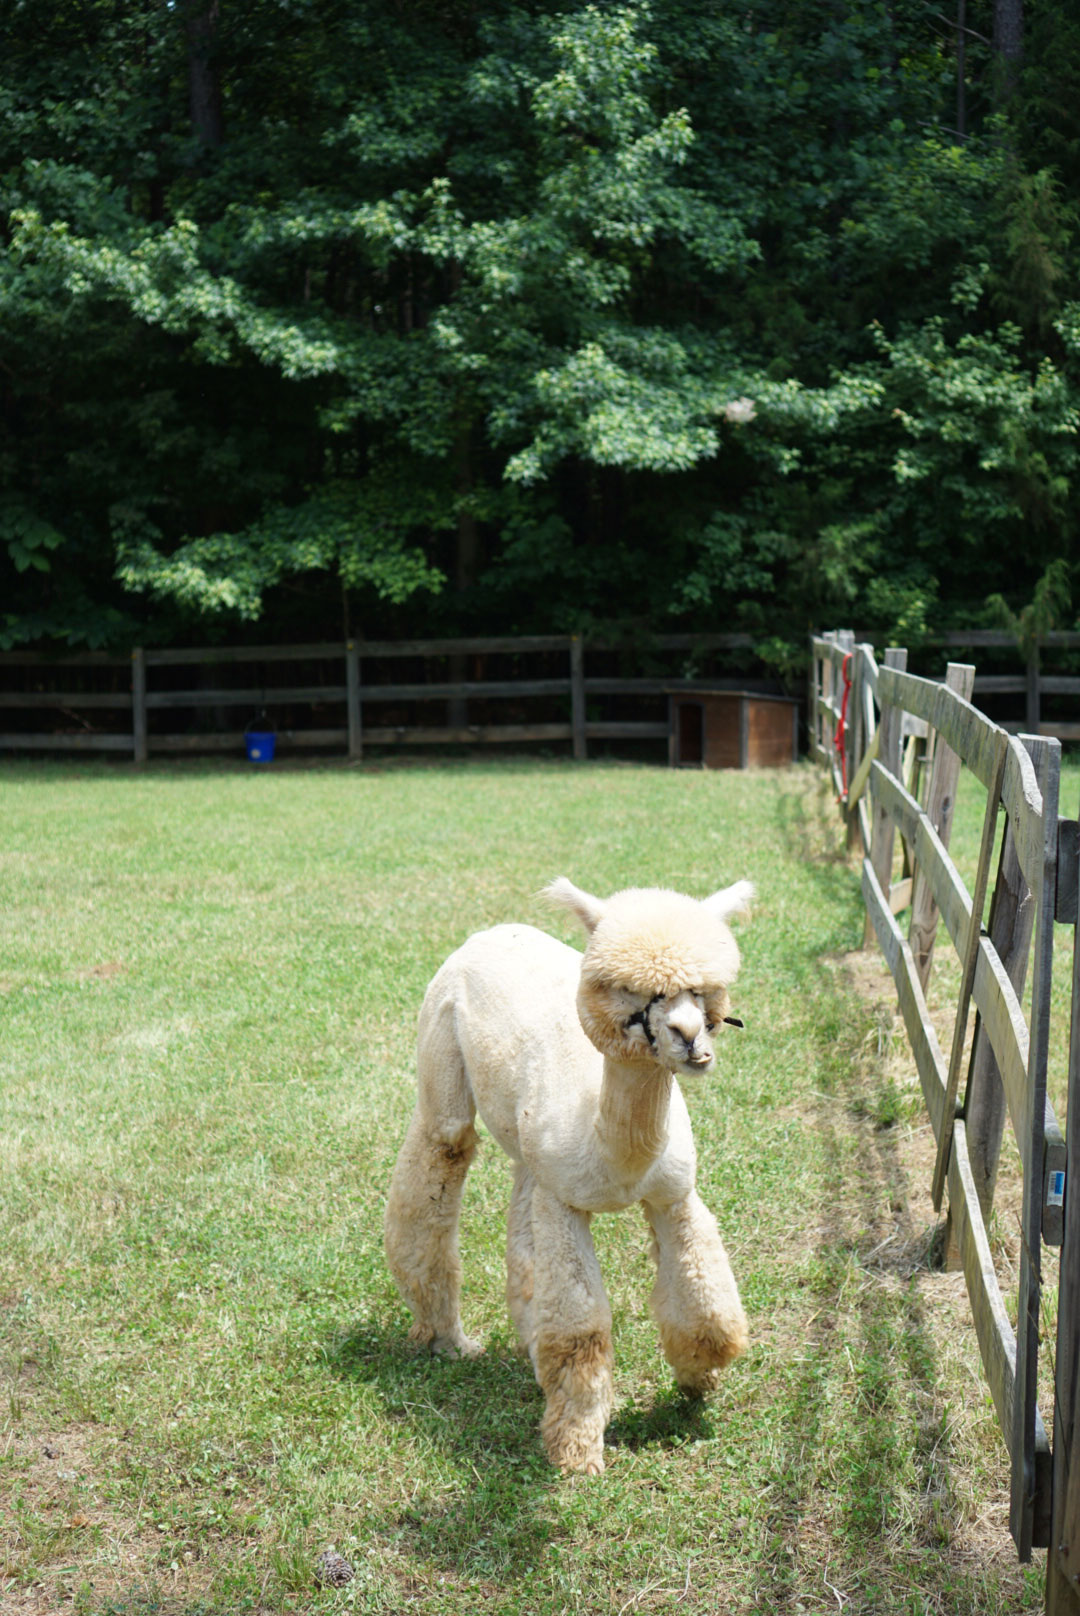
[[259, 744]]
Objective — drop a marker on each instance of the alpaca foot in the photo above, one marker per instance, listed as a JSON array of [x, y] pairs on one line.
[[454, 1344], [575, 1453], [699, 1358], [457, 1346], [698, 1385], [575, 1374]]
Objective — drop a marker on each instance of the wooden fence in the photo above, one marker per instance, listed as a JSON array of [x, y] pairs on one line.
[[894, 745], [345, 691], [1049, 696], [523, 689]]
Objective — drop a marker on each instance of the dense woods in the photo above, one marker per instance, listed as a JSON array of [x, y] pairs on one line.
[[436, 317]]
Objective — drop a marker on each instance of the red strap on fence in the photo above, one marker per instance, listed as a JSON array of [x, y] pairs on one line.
[[841, 728]]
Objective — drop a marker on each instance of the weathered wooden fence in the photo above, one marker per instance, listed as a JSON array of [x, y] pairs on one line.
[[348, 693], [894, 745], [1049, 694]]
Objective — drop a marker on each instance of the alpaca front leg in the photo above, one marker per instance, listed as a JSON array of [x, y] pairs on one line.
[[421, 1229], [695, 1300], [572, 1352], [520, 1266]]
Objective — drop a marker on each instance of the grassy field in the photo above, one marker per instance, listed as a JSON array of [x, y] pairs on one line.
[[209, 979]]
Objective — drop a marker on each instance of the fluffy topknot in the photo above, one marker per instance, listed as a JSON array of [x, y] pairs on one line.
[[652, 941]]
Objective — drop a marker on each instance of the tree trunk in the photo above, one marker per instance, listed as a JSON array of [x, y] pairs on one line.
[[1008, 44], [468, 536], [961, 68], [204, 86], [467, 562]]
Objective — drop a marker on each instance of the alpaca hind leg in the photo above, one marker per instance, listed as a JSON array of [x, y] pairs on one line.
[[424, 1203], [572, 1355], [520, 1276], [421, 1228], [695, 1300]]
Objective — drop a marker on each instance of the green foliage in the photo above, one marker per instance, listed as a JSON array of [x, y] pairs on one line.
[[28, 538], [357, 529], [1044, 612], [1038, 228], [529, 300]]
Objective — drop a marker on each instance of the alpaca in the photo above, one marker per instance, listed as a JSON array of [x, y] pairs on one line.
[[588, 1108]]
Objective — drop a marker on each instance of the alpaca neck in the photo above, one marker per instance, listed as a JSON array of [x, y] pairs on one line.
[[633, 1119]]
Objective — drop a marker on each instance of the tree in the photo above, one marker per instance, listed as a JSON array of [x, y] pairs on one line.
[[681, 314]]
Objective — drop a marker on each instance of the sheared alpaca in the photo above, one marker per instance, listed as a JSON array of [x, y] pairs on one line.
[[587, 1132]]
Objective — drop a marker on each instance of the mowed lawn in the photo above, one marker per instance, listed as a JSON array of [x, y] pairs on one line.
[[209, 981]]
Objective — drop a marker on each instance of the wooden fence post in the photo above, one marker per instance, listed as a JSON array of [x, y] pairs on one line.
[[812, 699], [140, 740], [1063, 1559], [846, 641], [1012, 913], [1046, 756], [1032, 704], [883, 833], [824, 687], [940, 807], [353, 707], [831, 685], [869, 742], [969, 959], [577, 694], [457, 707]]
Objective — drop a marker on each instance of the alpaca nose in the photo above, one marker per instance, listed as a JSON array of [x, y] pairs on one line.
[[688, 1022]]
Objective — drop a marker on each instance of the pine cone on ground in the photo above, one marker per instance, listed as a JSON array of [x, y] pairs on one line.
[[332, 1569]]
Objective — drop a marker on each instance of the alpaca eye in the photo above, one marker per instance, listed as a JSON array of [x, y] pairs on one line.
[[640, 1018], [710, 1026]]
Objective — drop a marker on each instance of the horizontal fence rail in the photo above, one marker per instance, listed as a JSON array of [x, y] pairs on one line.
[[894, 744], [351, 700]]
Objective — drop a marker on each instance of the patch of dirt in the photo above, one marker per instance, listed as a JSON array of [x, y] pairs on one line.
[[103, 972], [61, 1539]]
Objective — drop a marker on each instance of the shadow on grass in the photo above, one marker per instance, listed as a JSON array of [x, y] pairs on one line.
[[867, 1403], [810, 821], [672, 1420], [483, 1415]]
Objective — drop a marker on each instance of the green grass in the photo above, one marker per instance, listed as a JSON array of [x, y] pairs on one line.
[[209, 980]]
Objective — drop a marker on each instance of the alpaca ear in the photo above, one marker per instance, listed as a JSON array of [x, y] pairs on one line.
[[563, 894], [731, 901]]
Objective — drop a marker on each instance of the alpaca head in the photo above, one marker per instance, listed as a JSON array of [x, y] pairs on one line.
[[656, 971]]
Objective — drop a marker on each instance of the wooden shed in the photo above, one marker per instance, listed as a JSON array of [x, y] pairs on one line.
[[731, 729]]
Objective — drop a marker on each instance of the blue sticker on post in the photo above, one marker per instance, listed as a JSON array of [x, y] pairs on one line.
[[1055, 1190]]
